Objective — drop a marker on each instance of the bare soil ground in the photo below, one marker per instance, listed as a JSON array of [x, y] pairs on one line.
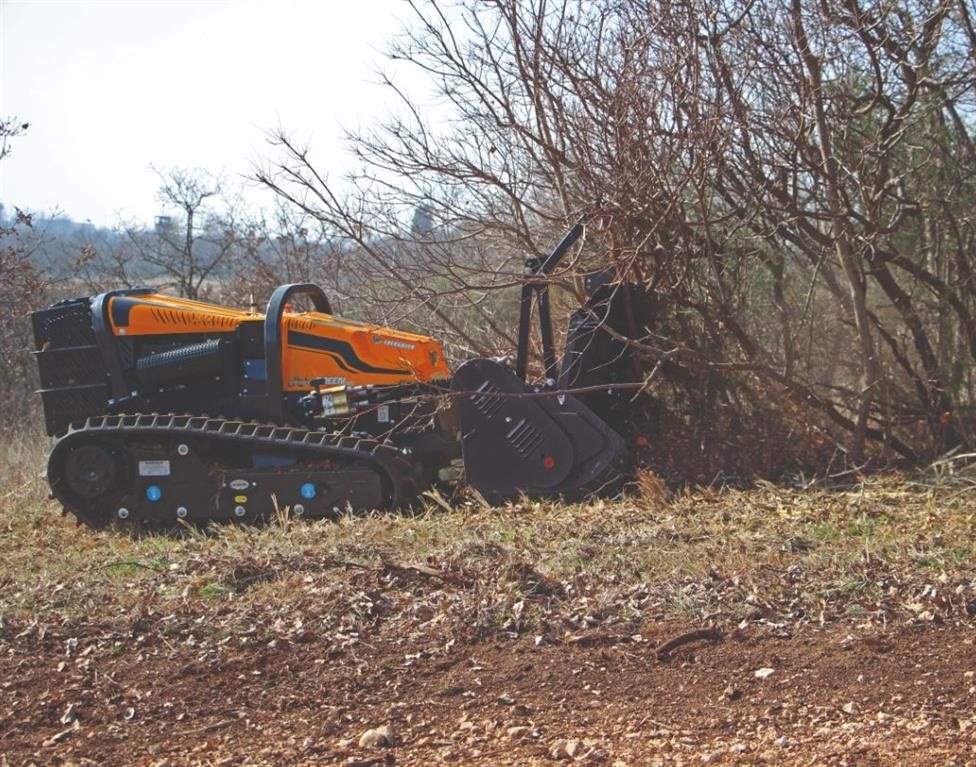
[[904, 696], [838, 630]]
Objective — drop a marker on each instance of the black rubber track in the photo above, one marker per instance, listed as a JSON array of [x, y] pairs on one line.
[[395, 469]]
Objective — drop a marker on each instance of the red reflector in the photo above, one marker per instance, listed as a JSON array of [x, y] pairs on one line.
[[548, 461]]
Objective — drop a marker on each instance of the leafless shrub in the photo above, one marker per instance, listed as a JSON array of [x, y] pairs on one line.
[[793, 181], [21, 287]]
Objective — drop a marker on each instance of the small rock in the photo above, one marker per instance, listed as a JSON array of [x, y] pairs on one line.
[[379, 737], [762, 673], [566, 750], [594, 756], [882, 717], [519, 731], [783, 742], [70, 714], [849, 708], [918, 725], [732, 693], [63, 735], [506, 700]]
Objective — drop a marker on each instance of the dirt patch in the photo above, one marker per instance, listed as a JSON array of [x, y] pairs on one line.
[[834, 696], [836, 627]]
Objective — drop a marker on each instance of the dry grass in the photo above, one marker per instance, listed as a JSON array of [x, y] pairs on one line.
[[891, 549]]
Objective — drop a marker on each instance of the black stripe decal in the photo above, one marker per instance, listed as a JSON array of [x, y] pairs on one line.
[[342, 348], [338, 361]]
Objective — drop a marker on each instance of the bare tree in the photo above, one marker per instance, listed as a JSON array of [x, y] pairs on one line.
[[22, 288], [189, 248], [10, 127], [793, 181], [287, 246]]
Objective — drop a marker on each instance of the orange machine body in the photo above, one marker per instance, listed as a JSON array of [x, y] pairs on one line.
[[346, 352], [315, 345]]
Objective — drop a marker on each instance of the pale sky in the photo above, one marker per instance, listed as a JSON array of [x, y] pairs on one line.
[[113, 86]]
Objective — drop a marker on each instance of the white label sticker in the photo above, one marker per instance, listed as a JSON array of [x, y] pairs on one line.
[[153, 468], [383, 414], [239, 484]]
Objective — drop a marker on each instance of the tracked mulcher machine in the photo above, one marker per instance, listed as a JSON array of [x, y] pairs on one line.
[[167, 409]]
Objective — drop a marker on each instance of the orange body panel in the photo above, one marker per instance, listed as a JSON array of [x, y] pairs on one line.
[[155, 314], [315, 345], [346, 352]]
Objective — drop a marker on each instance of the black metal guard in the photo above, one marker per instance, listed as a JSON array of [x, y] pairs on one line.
[[273, 341], [545, 330], [105, 341], [537, 284], [525, 318]]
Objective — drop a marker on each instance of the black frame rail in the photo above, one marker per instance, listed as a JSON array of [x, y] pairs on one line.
[[273, 341], [537, 285]]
